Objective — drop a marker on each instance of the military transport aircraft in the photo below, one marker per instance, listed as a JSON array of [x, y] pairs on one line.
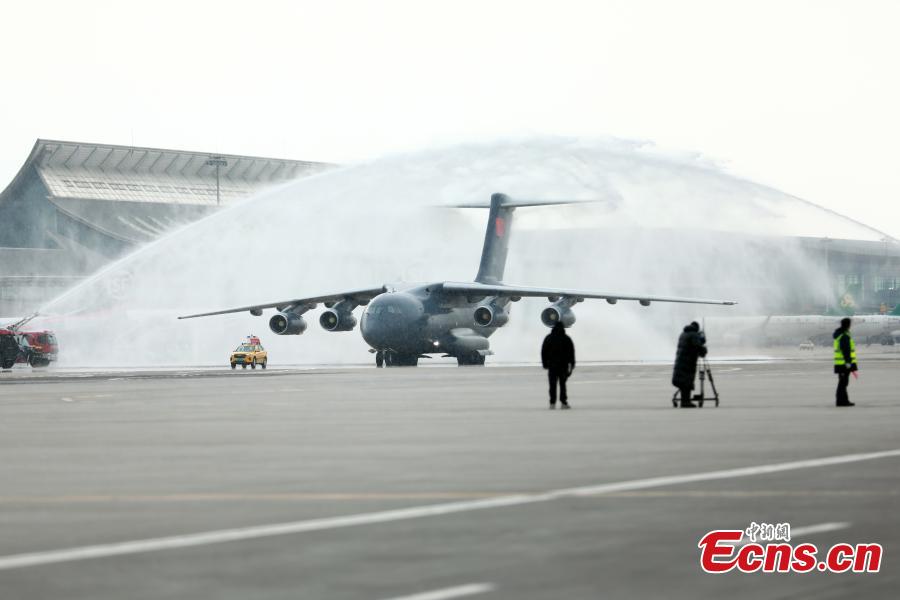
[[444, 317]]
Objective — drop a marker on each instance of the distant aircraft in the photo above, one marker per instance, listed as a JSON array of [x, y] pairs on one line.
[[449, 318], [796, 329]]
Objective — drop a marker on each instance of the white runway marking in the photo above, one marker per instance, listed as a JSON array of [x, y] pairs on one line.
[[416, 512], [808, 530], [454, 592], [820, 528], [585, 381]]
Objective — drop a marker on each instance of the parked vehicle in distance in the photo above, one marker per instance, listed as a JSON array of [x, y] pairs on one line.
[[250, 352]]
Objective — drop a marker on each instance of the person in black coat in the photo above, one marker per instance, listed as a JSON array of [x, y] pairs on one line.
[[558, 357], [691, 346]]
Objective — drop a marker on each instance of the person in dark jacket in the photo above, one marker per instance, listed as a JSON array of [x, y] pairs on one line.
[[558, 357], [844, 361], [691, 346]]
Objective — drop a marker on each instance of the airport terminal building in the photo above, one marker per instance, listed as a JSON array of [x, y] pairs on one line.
[[866, 271], [74, 206]]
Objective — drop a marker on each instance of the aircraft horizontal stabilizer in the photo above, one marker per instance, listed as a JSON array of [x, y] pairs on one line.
[[508, 202]]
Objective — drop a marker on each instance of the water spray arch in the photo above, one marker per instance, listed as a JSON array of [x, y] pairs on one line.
[[383, 221]]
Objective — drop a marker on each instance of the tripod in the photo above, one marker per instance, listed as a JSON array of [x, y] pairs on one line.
[[705, 372]]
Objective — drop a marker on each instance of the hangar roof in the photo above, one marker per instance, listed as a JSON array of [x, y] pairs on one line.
[[132, 174]]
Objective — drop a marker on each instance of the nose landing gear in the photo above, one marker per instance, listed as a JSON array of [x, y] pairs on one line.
[[389, 358]]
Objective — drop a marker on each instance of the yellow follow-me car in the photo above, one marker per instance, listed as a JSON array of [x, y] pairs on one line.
[[250, 353]]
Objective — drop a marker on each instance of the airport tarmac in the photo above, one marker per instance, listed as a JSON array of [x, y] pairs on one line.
[[436, 482]]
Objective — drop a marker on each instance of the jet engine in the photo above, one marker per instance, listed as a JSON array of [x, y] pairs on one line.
[[558, 313], [337, 320], [287, 323], [490, 315]]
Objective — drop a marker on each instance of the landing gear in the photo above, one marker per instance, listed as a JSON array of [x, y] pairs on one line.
[[379, 359], [397, 359], [471, 359]]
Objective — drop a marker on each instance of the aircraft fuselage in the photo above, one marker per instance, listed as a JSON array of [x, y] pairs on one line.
[[422, 320]]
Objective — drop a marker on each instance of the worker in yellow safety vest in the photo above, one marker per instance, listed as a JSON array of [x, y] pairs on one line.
[[844, 360]]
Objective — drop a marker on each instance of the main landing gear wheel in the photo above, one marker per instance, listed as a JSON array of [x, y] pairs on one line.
[[406, 360], [379, 359], [472, 359], [396, 359]]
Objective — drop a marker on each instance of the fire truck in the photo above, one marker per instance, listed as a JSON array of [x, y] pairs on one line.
[[36, 348], [40, 348]]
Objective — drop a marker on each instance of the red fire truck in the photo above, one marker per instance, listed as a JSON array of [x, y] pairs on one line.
[[36, 348], [40, 348]]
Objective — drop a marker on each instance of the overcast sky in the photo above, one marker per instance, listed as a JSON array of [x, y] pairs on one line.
[[801, 95]]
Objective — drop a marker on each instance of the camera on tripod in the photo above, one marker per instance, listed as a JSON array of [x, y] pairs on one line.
[[705, 373]]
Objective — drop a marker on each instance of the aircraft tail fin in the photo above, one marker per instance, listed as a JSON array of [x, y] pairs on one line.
[[499, 226], [496, 240]]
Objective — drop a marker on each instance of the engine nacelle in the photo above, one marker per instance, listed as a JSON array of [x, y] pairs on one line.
[[287, 323], [554, 314], [337, 320], [490, 316]]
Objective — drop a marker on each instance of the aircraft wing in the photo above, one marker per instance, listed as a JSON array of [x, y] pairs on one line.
[[360, 296], [504, 290]]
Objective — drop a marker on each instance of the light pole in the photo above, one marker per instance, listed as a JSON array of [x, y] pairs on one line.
[[217, 161]]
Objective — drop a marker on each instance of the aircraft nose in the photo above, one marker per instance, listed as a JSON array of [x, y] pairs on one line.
[[389, 321]]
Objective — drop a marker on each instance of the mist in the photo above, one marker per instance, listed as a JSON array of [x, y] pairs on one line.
[[651, 221]]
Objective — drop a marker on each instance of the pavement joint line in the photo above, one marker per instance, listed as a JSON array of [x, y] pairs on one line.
[[454, 592], [31, 559]]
